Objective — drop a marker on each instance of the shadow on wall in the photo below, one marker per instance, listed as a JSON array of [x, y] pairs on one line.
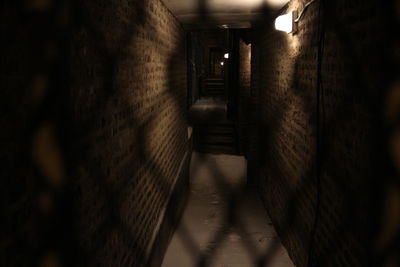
[[322, 136], [89, 185], [92, 140], [274, 163], [143, 136], [85, 161]]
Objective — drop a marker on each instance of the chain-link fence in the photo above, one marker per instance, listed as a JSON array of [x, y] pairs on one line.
[[43, 149]]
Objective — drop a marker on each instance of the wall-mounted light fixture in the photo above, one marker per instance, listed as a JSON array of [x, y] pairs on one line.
[[285, 22], [222, 63], [226, 55], [288, 22]]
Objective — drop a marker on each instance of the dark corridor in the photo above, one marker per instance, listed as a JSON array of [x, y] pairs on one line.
[[232, 133]]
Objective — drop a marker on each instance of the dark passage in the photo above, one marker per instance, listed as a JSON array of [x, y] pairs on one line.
[[194, 133], [213, 132]]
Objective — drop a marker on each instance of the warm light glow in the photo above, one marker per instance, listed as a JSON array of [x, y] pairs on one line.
[[222, 63], [284, 23], [225, 4], [226, 55], [276, 3]]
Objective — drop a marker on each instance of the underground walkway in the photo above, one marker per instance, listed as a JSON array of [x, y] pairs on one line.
[[97, 157], [224, 223]]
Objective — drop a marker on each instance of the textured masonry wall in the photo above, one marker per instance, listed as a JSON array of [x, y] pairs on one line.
[[248, 109], [128, 93], [284, 75], [247, 100], [93, 101], [245, 68]]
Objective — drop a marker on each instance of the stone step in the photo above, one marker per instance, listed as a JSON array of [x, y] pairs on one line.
[[214, 139], [217, 149]]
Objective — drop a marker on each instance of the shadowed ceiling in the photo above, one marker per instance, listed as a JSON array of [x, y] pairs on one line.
[[222, 13]]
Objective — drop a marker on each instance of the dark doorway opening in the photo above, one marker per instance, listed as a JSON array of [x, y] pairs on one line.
[[216, 63], [213, 67]]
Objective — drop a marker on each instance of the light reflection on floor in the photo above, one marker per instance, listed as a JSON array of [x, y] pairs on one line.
[[224, 223]]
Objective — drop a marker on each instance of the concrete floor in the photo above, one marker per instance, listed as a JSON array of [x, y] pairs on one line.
[[224, 224]]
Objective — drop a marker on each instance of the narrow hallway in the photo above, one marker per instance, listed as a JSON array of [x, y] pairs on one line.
[[200, 133], [224, 223]]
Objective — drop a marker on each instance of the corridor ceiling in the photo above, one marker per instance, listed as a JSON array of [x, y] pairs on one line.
[[222, 13]]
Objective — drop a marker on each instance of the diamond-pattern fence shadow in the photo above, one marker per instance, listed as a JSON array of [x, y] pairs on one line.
[[52, 125]]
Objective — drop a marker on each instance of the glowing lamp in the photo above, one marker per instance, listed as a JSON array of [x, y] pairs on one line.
[[222, 63], [285, 23], [226, 55]]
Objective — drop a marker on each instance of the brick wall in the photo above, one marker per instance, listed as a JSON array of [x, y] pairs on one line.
[[129, 102], [284, 74], [247, 102], [94, 134], [244, 80]]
